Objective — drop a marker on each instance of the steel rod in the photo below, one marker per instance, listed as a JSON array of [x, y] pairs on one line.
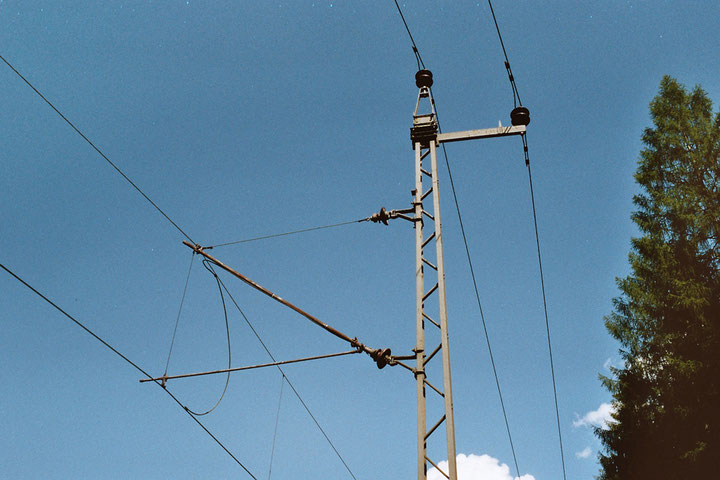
[[352, 341], [420, 313], [482, 133], [430, 432], [447, 383], [249, 367], [438, 468]]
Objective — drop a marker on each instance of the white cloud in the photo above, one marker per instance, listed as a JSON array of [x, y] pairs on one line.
[[596, 418], [477, 467], [584, 454], [612, 363]]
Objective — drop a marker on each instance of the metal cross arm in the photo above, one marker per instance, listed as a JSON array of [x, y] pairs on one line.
[[165, 378], [499, 131], [381, 357]]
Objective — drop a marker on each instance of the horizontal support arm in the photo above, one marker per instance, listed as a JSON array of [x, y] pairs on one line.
[[164, 378], [483, 133]]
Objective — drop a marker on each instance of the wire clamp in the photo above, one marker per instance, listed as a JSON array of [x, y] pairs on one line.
[[385, 215]]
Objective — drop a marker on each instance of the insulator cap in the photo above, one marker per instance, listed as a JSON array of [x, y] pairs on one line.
[[423, 78], [520, 116]]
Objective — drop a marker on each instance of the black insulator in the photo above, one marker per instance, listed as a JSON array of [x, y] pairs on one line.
[[423, 78], [520, 116]]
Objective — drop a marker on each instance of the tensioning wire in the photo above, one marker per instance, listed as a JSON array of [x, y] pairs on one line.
[[274, 235]]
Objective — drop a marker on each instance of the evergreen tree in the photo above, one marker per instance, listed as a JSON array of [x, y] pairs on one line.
[[667, 318]]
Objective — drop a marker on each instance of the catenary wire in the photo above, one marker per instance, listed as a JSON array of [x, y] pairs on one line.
[[77, 130], [516, 95], [177, 320], [208, 266], [547, 322], [274, 235], [412, 40], [472, 271], [302, 402], [277, 422], [138, 368], [537, 240]]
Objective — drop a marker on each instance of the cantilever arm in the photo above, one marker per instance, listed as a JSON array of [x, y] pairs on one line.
[[164, 378], [381, 356]]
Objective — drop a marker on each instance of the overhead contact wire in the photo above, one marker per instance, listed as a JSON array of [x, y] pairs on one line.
[[516, 94], [77, 130], [294, 232], [133, 364], [302, 402], [412, 40]]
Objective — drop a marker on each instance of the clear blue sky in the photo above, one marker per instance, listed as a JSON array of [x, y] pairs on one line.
[[242, 119]]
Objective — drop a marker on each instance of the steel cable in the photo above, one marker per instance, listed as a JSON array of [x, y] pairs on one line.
[[77, 130], [482, 315], [177, 320], [114, 350], [277, 421], [547, 322], [516, 95], [418, 58], [208, 266], [302, 402], [274, 235]]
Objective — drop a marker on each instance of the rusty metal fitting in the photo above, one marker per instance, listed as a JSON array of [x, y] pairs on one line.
[[382, 357], [381, 216]]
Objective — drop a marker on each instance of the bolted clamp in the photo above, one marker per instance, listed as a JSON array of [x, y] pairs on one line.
[[384, 215]]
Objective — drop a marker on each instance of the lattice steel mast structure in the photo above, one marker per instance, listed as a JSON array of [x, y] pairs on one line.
[[426, 138]]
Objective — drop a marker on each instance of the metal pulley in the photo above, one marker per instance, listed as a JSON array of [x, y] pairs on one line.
[[520, 116]]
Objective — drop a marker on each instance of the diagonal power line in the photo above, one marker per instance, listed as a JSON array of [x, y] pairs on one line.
[[297, 394], [133, 364], [77, 130]]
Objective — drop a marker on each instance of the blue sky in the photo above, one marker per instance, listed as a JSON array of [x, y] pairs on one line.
[[241, 119]]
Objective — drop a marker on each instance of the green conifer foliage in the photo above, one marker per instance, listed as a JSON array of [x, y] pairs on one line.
[[667, 318]]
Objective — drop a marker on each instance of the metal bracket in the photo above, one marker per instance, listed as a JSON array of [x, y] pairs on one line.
[[384, 215]]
